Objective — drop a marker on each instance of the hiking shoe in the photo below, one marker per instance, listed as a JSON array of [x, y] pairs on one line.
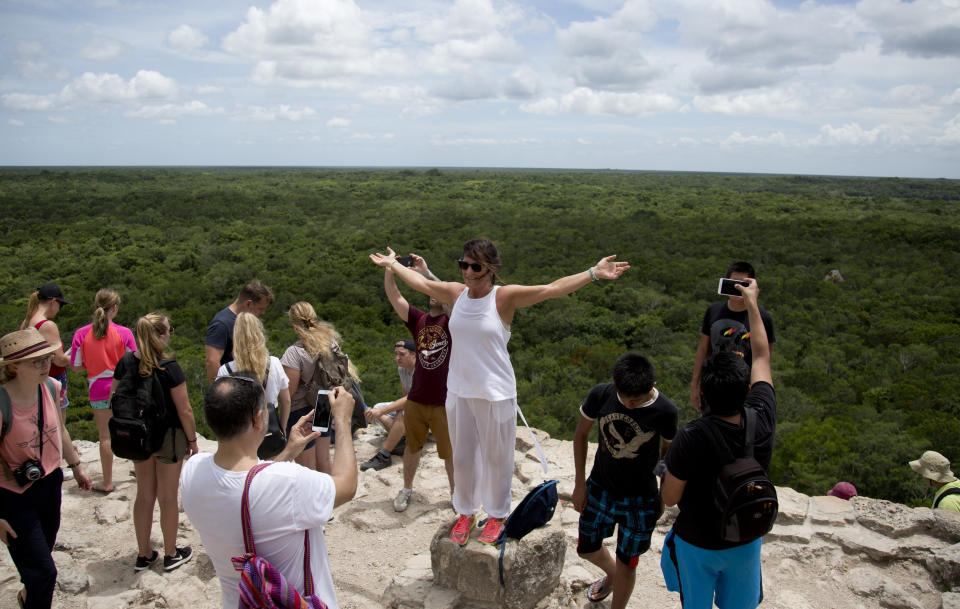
[[460, 532], [172, 562], [378, 461], [400, 447], [402, 502], [491, 531], [143, 562]]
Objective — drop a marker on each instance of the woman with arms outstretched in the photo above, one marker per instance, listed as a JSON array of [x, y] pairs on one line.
[[481, 386]]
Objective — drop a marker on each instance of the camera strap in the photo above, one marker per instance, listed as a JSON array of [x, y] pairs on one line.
[[40, 419]]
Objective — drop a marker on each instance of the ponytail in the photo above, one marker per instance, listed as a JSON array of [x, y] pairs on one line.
[[103, 301]]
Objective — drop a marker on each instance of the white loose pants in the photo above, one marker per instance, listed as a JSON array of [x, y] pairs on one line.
[[483, 435]]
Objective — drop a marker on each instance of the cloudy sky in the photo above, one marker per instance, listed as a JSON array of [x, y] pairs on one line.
[[814, 87]]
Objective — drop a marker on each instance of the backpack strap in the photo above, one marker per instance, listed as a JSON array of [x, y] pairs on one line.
[[944, 495], [248, 544], [6, 412]]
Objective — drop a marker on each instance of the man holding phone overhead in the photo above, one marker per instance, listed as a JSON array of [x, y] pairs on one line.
[[726, 326]]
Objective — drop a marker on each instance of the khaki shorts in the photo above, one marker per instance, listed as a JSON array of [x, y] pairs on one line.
[[174, 447], [418, 418]]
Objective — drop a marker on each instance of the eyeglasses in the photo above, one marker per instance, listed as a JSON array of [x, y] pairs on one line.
[[170, 330], [42, 362], [464, 265]]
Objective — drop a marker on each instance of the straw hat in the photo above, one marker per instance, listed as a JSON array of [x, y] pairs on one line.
[[934, 466], [22, 345]]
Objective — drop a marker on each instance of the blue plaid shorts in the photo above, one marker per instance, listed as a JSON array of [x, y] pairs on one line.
[[635, 518]]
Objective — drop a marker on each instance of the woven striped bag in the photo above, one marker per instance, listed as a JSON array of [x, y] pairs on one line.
[[261, 585]]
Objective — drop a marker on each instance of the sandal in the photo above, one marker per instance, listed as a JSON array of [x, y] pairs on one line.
[[597, 592]]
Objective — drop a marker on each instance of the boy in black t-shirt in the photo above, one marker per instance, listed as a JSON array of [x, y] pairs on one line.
[[696, 561], [636, 424]]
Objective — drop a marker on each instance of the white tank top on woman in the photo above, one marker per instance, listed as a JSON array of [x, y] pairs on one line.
[[479, 362]]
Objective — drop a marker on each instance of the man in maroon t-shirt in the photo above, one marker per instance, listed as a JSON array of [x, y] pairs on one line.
[[424, 410]]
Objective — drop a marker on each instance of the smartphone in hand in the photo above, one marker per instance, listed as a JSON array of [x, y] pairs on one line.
[[727, 286], [321, 411]]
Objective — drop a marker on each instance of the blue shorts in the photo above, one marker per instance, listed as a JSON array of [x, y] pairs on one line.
[[635, 518], [699, 575], [62, 377]]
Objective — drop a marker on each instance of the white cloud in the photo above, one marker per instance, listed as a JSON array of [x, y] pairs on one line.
[[209, 89], [338, 123], [481, 141], [586, 101], [171, 112], [186, 38], [953, 98], [14, 122], [850, 134], [951, 133], [922, 28], [102, 48], [282, 112], [523, 83], [910, 95], [762, 103], [28, 49], [96, 89]]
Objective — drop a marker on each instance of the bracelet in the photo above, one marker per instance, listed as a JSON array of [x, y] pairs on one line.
[[391, 265], [77, 464], [427, 273], [592, 276], [192, 441]]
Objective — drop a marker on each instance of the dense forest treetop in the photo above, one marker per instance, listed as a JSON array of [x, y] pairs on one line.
[[867, 370]]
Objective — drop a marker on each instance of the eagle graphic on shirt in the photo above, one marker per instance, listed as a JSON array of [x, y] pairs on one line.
[[622, 436]]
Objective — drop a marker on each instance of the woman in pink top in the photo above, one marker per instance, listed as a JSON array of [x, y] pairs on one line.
[[30, 474], [481, 387], [96, 349]]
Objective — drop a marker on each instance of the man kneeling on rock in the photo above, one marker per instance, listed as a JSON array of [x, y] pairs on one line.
[[636, 425], [285, 499]]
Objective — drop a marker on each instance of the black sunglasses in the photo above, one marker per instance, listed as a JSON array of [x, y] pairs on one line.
[[464, 265]]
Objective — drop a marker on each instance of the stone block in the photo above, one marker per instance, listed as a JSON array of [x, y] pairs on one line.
[[790, 533], [890, 519], [531, 567], [944, 566], [858, 540], [793, 506], [950, 600], [830, 510], [945, 524]]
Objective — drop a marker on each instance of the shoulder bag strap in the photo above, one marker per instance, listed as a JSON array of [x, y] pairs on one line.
[[6, 412], [750, 431], [248, 545], [944, 495], [40, 420]]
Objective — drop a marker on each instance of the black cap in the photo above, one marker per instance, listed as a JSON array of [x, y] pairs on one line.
[[407, 344], [52, 291]]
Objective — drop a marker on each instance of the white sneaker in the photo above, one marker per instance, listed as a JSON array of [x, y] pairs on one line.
[[402, 502]]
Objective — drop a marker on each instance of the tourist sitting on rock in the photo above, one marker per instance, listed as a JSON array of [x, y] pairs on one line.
[[636, 424], [935, 469], [285, 499], [390, 414], [696, 561]]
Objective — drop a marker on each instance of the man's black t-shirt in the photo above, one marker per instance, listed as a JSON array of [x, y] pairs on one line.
[[220, 333], [694, 458], [719, 311], [629, 441]]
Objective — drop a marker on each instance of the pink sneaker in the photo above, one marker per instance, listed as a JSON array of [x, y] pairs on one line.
[[491, 531], [460, 532]]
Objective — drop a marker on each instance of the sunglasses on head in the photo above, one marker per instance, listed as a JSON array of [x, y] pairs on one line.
[[464, 265]]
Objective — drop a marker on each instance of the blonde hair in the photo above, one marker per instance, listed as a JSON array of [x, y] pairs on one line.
[[249, 346], [150, 328], [318, 337], [103, 301], [32, 305]]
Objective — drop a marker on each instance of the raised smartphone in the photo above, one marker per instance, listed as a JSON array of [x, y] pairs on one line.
[[321, 411], [726, 286]]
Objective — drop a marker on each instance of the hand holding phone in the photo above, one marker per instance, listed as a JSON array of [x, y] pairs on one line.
[[405, 260], [728, 286], [321, 411]]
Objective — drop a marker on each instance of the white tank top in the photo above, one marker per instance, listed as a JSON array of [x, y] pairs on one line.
[[479, 362]]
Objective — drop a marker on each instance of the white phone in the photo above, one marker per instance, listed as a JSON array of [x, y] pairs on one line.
[[727, 286], [321, 411]]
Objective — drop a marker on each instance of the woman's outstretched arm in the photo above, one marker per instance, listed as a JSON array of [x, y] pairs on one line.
[[444, 291]]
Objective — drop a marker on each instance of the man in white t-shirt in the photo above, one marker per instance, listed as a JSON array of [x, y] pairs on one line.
[[285, 499]]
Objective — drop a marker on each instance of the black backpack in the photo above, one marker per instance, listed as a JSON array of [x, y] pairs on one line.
[[332, 370], [534, 511], [140, 416], [743, 493]]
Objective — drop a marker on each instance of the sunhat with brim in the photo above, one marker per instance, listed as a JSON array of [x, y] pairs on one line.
[[934, 466], [23, 345]]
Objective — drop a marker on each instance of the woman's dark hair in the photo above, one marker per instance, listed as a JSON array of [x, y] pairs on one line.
[[486, 253], [633, 375], [724, 384], [231, 403]]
